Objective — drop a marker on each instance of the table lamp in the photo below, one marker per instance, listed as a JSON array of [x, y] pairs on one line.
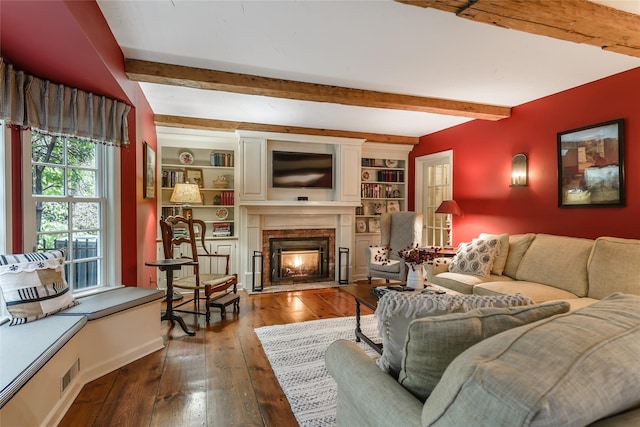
[[186, 194], [449, 207]]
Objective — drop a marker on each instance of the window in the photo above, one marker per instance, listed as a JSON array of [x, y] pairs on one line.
[[66, 205]]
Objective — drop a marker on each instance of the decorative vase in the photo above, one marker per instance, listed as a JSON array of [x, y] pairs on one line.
[[414, 276]]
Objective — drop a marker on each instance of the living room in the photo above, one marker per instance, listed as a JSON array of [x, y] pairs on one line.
[[70, 42]]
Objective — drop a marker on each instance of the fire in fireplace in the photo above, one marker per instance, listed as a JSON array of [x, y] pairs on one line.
[[299, 258]]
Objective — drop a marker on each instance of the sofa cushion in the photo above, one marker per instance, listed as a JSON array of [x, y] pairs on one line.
[[518, 245], [572, 369], [432, 343], [501, 256], [397, 309], [33, 285], [476, 257], [536, 291], [465, 283], [557, 261], [614, 267]]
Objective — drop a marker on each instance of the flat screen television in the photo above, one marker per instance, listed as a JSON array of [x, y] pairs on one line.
[[302, 170]]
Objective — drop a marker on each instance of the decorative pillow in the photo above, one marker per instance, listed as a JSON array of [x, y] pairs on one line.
[[379, 254], [571, 369], [33, 285], [476, 257], [397, 309], [432, 343], [503, 253], [518, 245]]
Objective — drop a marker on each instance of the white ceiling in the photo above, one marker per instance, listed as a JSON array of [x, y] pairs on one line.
[[375, 45]]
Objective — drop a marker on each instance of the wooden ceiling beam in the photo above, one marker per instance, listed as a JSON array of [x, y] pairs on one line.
[[231, 126], [578, 21], [199, 78]]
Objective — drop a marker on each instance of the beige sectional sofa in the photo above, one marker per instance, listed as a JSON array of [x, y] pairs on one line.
[[547, 365], [546, 267]]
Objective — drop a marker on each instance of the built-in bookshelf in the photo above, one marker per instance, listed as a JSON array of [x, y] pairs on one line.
[[382, 189], [213, 170]]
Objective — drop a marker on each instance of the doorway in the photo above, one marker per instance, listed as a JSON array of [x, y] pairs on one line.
[[433, 185]]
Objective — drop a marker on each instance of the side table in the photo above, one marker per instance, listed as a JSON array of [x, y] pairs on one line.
[[169, 266]]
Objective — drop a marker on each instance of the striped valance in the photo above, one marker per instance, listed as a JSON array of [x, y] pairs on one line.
[[31, 102]]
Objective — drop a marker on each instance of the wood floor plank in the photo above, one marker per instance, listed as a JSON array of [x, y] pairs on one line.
[[220, 377]]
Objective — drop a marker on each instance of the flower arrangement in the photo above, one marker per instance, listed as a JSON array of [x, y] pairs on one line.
[[417, 256], [412, 255]]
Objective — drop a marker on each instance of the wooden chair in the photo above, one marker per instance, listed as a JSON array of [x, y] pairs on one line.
[[182, 233]]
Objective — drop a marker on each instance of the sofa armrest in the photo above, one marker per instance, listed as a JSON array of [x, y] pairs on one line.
[[366, 394], [437, 266]]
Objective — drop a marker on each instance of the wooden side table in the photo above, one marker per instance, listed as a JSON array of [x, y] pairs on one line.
[[169, 266]]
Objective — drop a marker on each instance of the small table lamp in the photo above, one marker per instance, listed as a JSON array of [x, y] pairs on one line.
[[449, 207], [186, 194]]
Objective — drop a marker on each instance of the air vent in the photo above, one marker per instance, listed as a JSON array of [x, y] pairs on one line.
[[69, 376]]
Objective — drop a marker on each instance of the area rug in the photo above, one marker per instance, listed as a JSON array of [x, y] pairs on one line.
[[296, 354], [293, 288]]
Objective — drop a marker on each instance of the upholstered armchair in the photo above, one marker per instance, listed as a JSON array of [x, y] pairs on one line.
[[398, 230]]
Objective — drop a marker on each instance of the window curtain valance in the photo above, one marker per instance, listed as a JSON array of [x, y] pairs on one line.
[[31, 102]]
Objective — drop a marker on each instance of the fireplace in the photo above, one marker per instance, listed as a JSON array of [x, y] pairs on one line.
[[294, 246], [299, 259]]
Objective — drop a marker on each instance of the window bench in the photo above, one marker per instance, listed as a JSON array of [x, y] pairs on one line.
[[46, 363]]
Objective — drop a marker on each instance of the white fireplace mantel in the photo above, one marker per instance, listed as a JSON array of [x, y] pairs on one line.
[[289, 215]]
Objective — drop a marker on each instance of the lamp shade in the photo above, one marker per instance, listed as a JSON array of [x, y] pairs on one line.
[[449, 207], [186, 193]]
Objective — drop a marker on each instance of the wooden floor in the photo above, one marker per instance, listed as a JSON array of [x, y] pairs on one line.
[[220, 377]]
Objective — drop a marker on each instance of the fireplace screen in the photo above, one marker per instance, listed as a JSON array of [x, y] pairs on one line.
[[299, 259]]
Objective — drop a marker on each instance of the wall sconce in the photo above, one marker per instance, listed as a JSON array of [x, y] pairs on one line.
[[186, 194], [519, 173]]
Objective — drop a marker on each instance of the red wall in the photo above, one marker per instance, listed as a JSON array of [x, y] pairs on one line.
[[70, 42], [482, 153]]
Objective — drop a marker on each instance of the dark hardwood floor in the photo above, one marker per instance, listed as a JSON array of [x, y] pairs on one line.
[[220, 377]]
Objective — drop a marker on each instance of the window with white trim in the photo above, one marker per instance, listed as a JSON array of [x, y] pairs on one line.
[[65, 204]]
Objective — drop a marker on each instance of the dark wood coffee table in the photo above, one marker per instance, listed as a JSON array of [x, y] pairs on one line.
[[362, 294]]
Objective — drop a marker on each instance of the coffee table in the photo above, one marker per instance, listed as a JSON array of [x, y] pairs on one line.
[[362, 294]]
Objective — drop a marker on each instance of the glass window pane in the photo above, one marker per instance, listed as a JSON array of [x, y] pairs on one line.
[[52, 216], [48, 180], [86, 216], [82, 183], [47, 149], [81, 153], [85, 274], [53, 241], [85, 246]]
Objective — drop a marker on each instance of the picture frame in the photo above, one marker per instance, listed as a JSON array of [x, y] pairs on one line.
[[591, 166], [149, 175], [374, 225], [194, 176], [393, 206]]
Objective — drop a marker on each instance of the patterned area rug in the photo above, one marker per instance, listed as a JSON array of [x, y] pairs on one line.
[[296, 353]]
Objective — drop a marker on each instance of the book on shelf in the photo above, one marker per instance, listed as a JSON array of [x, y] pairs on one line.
[[222, 159], [379, 191], [222, 229], [168, 211], [171, 177]]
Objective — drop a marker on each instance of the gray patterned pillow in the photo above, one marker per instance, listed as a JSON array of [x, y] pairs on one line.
[[476, 257]]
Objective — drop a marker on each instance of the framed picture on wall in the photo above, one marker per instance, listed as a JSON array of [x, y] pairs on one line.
[[590, 166], [149, 175]]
